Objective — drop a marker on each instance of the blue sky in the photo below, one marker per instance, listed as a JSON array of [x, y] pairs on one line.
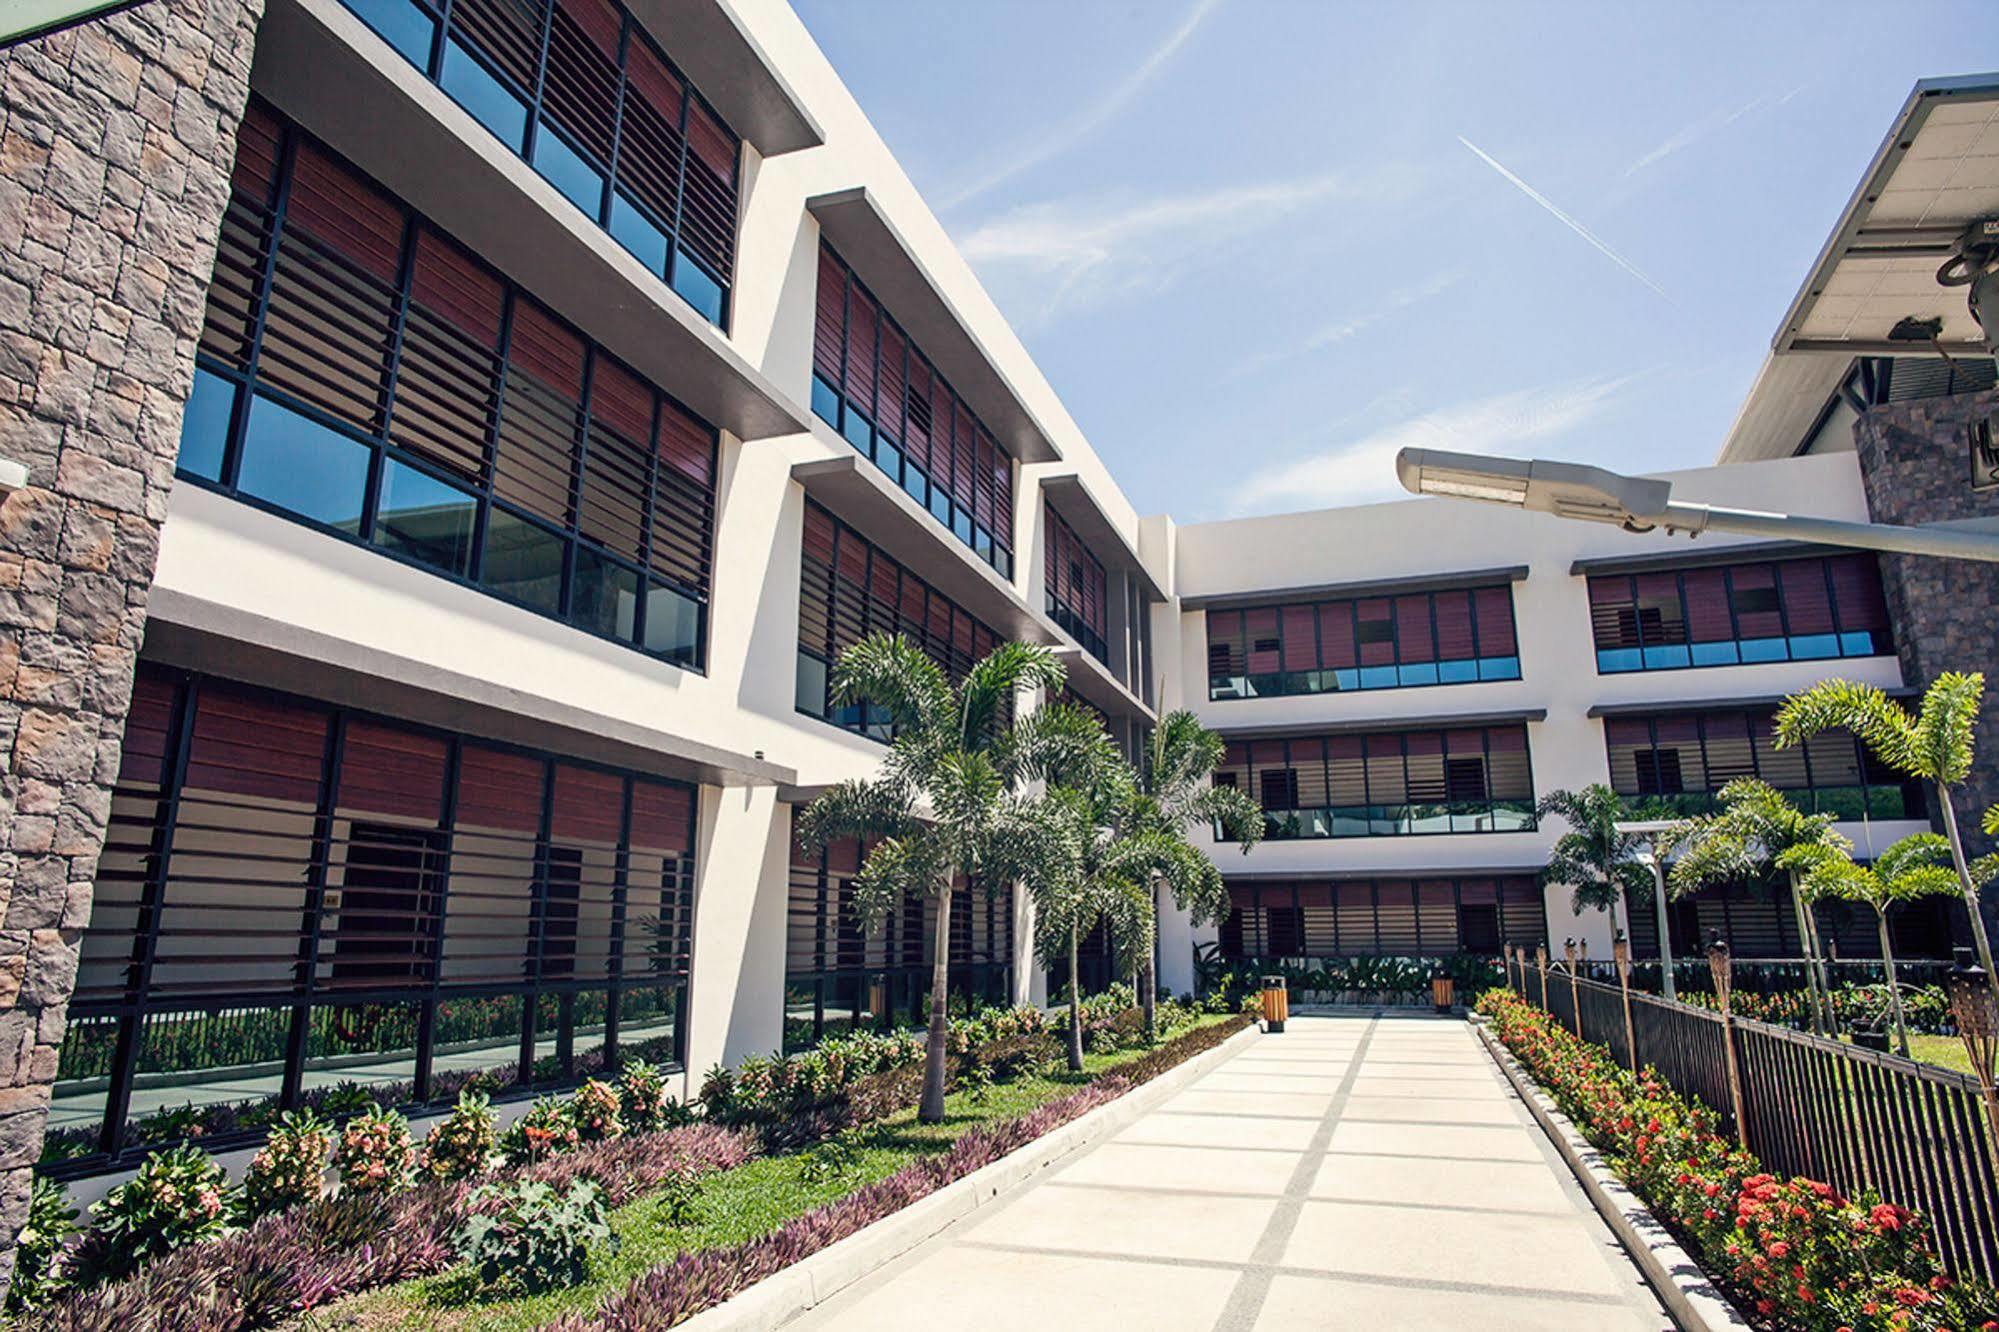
[[1257, 245]]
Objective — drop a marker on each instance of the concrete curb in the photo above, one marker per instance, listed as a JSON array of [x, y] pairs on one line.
[[1688, 1294], [784, 1295]]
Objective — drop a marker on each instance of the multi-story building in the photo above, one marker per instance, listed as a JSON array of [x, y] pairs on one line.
[[459, 436]]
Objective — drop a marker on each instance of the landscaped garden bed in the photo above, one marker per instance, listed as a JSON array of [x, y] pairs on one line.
[[1792, 1250], [600, 1197]]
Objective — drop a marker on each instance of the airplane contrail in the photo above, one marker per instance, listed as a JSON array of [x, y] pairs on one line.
[[1565, 219]]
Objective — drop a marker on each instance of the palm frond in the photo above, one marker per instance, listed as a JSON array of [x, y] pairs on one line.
[[863, 809], [1944, 726], [986, 693], [1991, 821], [892, 673], [1239, 817], [1882, 724]]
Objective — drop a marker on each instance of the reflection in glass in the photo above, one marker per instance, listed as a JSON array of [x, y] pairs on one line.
[[204, 426], [484, 96], [424, 519], [523, 561], [300, 465], [563, 167], [605, 595], [673, 625], [402, 25]]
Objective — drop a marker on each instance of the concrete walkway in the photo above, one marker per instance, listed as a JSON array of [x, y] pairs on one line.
[[1355, 1172]]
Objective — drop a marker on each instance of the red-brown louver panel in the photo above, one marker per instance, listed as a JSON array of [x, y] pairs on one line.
[[708, 217], [255, 174], [450, 284], [1301, 639], [1807, 604], [1856, 586], [916, 441], [662, 817], [1627, 731], [1261, 627], [144, 755], [1412, 629], [546, 350], [1494, 606], [1336, 645], [964, 431], [982, 481], [333, 205], [387, 770], [499, 790], [580, 77], [649, 147], [1708, 620], [1455, 641], [889, 386], [1613, 618], [1002, 474], [587, 805], [818, 534], [686, 444], [507, 32], [829, 318], [251, 746], [862, 317], [619, 400], [1751, 580], [1374, 621]]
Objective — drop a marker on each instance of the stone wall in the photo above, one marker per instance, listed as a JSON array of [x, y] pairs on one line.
[[116, 138], [1915, 460]]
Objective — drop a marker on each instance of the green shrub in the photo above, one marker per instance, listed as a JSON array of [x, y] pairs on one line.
[[180, 1196], [464, 1142], [642, 1098], [595, 1111], [375, 1153], [291, 1168], [547, 1129], [40, 1271], [525, 1237]]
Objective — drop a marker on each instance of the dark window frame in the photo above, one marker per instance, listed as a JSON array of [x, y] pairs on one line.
[[1247, 931], [1896, 798]]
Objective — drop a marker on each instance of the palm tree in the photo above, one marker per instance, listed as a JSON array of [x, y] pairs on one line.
[[1935, 745], [1599, 864], [943, 807], [1916, 866], [1175, 791], [1755, 829]]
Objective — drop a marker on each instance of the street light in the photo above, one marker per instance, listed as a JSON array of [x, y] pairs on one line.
[[1644, 504], [1655, 831]]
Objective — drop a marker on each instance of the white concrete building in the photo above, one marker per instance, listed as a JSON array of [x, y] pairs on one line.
[[577, 379]]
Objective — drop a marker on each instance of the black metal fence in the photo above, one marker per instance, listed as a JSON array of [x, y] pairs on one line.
[[1857, 1119]]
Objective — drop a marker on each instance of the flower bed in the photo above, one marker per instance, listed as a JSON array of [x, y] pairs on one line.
[[675, 1291], [1925, 1008], [1792, 1249]]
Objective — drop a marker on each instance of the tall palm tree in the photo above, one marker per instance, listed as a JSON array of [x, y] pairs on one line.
[[1755, 829], [1176, 791], [1917, 866], [1599, 864], [1935, 745], [944, 805]]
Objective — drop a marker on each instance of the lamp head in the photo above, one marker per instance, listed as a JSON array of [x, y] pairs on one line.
[[1569, 490]]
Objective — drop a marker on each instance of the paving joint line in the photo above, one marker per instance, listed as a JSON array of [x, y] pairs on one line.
[[1252, 1288], [1345, 1200]]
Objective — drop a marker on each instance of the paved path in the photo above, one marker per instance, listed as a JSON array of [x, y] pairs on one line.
[[1355, 1172]]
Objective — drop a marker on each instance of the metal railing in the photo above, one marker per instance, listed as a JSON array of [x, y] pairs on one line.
[[1854, 1118]]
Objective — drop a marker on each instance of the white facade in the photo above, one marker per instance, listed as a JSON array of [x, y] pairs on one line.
[[249, 595]]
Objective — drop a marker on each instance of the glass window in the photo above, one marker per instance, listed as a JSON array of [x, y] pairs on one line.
[[475, 89], [424, 519], [204, 426], [402, 25], [605, 595], [563, 167], [673, 624], [523, 561], [637, 233], [702, 292], [307, 468]]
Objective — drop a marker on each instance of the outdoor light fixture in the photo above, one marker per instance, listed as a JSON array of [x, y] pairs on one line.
[[1643, 504], [1975, 1010], [1724, 975], [1541, 962], [1656, 830], [1620, 954], [1724, 986]]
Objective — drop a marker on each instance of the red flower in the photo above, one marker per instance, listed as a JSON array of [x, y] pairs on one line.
[[1913, 1297]]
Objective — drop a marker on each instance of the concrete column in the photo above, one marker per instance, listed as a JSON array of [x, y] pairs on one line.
[[736, 990], [116, 140]]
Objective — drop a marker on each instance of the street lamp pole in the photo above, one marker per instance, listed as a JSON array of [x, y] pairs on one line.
[[1645, 504], [1654, 831]]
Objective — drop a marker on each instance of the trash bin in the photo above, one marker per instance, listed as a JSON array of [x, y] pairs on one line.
[[1276, 1004], [1443, 990]]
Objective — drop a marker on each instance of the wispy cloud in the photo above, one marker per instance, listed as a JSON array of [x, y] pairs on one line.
[[1553, 209], [1712, 123], [1353, 325], [1070, 252], [1362, 471], [1091, 119]]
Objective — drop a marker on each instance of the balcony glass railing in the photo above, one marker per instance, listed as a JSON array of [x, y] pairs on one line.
[[1410, 820]]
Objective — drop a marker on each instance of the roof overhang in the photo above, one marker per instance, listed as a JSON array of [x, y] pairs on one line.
[[854, 491], [727, 65], [1784, 404], [1434, 582], [853, 221], [328, 70], [196, 633], [1935, 173], [1379, 725], [1663, 707], [1070, 497], [1703, 557]]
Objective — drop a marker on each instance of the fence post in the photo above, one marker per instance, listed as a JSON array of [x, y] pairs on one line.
[[1541, 961], [1506, 949], [1718, 964], [1620, 953], [1575, 990]]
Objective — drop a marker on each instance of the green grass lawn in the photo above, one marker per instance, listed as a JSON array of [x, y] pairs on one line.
[[1943, 1051], [730, 1207]]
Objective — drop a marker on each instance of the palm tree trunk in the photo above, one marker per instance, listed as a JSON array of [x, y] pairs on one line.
[[1075, 1009], [1894, 994], [1811, 961], [931, 1111], [1970, 889]]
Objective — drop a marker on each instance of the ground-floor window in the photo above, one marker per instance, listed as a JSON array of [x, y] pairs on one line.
[[840, 975], [1758, 921], [1428, 917], [302, 905]]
